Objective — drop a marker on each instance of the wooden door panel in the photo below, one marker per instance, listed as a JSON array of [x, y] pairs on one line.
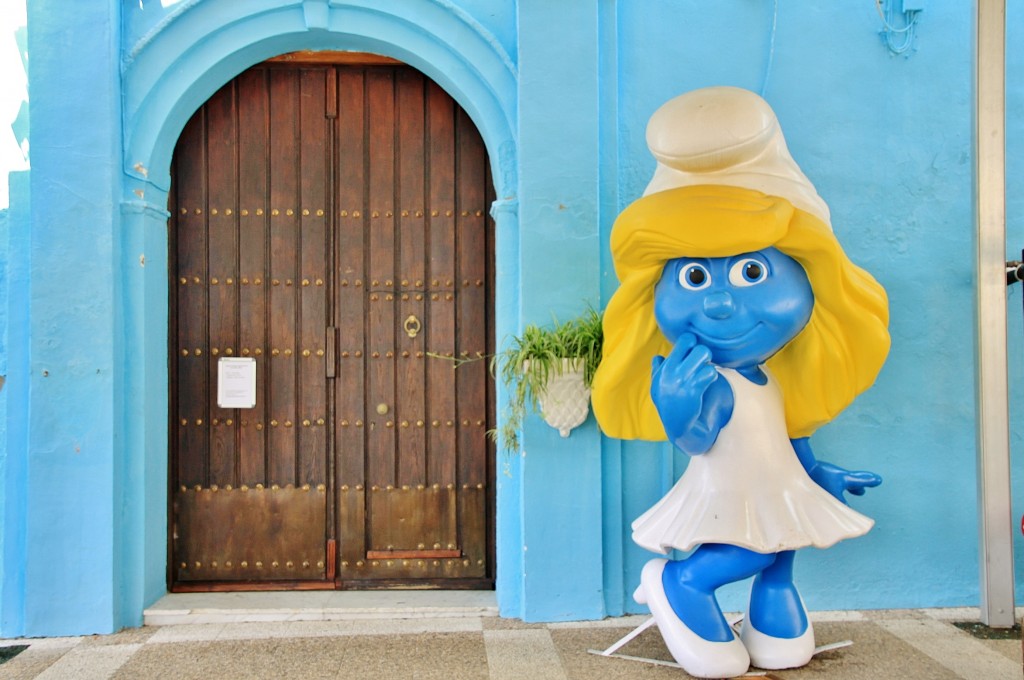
[[191, 371], [441, 374], [222, 251], [331, 223], [255, 535], [282, 274], [250, 501], [472, 285], [350, 317], [253, 181], [380, 347], [411, 234], [413, 522], [419, 513], [312, 213], [471, 309]]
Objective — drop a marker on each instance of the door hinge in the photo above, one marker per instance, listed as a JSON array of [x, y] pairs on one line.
[[331, 344], [332, 558], [332, 93]]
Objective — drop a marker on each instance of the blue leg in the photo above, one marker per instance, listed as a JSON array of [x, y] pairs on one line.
[[690, 585], [776, 632], [775, 607]]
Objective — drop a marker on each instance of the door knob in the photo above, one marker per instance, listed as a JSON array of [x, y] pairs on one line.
[[412, 326], [382, 409]]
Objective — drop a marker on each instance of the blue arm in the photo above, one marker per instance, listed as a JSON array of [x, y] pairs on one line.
[[833, 478], [694, 402]]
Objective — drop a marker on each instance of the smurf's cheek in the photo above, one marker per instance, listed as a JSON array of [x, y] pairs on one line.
[[674, 314]]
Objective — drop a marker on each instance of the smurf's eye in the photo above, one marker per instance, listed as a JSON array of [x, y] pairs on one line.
[[694, 276], [747, 272]]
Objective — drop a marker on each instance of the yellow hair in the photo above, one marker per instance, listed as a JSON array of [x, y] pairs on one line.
[[834, 358]]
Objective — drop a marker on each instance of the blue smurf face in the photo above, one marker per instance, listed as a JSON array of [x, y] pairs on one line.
[[743, 308]]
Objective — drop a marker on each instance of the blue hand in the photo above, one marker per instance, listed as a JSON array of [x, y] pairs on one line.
[[832, 478], [836, 480], [693, 401]]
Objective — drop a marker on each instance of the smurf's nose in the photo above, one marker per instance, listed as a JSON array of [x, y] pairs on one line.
[[719, 305]]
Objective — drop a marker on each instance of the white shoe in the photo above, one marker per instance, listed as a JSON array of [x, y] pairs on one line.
[[699, 657], [773, 653]]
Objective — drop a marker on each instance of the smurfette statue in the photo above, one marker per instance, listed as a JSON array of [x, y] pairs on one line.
[[738, 328]]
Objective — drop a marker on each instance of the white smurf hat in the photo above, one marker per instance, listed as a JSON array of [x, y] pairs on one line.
[[727, 135]]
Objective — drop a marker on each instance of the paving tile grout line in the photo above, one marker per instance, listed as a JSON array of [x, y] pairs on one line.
[[953, 648], [517, 653], [513, 648], [90, 663]]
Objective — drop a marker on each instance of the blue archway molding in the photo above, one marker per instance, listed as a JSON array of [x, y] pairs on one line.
[[197, 48], [202, 45]]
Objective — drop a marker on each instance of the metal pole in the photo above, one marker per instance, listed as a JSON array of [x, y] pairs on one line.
[[996, 533]]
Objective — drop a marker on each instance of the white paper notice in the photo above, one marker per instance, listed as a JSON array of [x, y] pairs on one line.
[[236, 383]]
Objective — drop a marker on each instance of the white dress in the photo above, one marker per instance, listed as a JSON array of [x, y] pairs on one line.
[[749, 489]]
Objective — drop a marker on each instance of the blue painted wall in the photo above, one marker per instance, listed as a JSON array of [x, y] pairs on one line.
[[75, 350], [13, 402], [561, 92], [887, 142]]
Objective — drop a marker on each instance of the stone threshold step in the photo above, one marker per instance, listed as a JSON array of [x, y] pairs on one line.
[[249, 607]]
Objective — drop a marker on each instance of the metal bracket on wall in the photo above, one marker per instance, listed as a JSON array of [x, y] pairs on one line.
[[899, 23], [1015, 271]]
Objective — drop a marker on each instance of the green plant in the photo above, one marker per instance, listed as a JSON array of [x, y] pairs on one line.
[[531, 359]]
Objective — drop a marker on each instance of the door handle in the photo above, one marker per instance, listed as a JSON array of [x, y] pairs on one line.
[[412, 326]]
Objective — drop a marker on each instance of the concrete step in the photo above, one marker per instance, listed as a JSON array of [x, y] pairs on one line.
[[328, 605]]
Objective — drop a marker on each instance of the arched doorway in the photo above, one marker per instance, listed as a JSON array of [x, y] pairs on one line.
[[331, 249]]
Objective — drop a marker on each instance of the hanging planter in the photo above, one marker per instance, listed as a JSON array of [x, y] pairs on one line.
[[565, 399], [549, 371]]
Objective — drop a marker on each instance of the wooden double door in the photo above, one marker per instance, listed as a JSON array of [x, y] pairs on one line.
[[329, 226]]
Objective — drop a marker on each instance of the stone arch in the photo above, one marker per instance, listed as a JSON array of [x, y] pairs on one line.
[[167, 75], [200, 46]]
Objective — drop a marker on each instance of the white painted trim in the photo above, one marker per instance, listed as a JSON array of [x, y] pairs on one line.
[[994, 500]]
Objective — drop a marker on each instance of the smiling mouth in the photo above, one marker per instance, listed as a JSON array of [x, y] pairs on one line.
[[730, 341]]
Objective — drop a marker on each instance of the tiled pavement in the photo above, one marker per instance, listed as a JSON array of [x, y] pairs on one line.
[[886, 644]]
